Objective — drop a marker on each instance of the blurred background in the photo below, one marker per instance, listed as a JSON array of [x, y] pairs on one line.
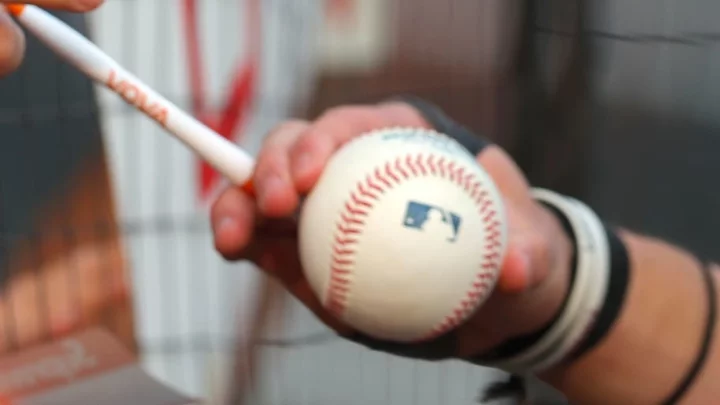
[[103, 217]]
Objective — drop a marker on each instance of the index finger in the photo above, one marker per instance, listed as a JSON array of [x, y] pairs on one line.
[[15, 6], [336, 127]]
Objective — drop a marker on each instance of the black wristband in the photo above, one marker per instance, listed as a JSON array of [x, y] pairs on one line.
[[446, 125], [613, 301], [614, 297], [707, 339]]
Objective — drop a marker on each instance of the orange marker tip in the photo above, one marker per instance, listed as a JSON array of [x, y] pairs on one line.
[[249, 188], [15, 9]]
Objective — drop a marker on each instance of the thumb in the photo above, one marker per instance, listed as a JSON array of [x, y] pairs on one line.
[[515, 274], [526, 256]]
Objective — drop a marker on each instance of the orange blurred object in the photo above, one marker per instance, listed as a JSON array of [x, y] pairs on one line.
[[248, 187], [14, 9]]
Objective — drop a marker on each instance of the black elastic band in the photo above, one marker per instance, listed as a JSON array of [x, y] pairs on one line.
[[705, 344], [614, 297], [446, 125]]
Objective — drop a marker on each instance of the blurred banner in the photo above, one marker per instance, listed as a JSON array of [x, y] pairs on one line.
[[242, 67]]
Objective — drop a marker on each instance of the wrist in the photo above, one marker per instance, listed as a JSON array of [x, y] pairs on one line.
[[590, 292]]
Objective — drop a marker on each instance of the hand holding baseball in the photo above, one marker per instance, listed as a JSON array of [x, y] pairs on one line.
[[533, 276]]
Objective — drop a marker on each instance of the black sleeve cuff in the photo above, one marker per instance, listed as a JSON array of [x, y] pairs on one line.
[[614, 297], [446, 125]]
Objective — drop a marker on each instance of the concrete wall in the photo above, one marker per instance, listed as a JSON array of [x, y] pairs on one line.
[[660, 55]]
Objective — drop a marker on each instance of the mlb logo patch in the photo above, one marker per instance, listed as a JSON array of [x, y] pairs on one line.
[[432, 219]]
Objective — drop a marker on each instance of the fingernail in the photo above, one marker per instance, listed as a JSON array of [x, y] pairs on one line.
[[223, 224], [87, 5]]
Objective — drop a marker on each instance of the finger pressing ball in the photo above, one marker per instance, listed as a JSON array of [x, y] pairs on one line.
[[403, 236]]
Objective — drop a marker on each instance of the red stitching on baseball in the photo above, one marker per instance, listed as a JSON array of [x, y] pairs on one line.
[[370, 183], [411, 165], [340, 249], [356, 200], [354, 210], [467, 183], [351, 221], [475, 190], [442, 167], [431, 164], [455, 173], [362, 189], [390, 173], [341, 260], [342, 240], [345, 229], [484, 205], [398, 166], [419, 163], [379, 175]]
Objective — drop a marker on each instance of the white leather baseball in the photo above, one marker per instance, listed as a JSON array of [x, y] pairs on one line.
[[404, 234]]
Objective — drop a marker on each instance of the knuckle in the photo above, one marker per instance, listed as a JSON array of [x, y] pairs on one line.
[[271, 162], [343, 112], [216, 207], [291, 125], [224, 202], [82, 6], [308, 140], [346, 122], [283, 132]]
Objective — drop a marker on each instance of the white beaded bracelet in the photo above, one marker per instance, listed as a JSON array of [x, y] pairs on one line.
[[587, 294]]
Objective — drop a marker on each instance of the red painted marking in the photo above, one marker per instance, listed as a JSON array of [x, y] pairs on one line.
[[136, 97], [341, 11], [234, 114]]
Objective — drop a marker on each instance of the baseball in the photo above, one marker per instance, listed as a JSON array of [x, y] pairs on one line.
[[404, 234]]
